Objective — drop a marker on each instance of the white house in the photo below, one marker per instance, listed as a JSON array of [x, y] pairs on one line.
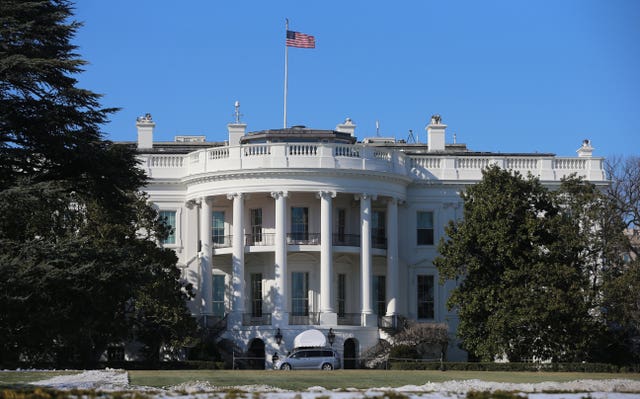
[[285, 230]]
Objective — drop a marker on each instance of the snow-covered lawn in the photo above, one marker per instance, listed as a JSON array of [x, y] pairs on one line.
[[118, 380]]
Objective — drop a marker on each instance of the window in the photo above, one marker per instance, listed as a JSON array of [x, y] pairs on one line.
[[300, 294], [256, 294], [379, 295], [342, 293], [217, 227], [342, 222], [425, 297], [256, 225], [425, 228], [378, 234], [218, 295], [169, 218], [300, 224]]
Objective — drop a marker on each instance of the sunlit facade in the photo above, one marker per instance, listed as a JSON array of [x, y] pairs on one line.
[[285, 230]]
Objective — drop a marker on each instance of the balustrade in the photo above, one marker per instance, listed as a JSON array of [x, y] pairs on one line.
[[263, 239], [346, 151], [472, 163], [303, 238], [349, 319], [218, 153], [305, 319], [302, 149], [521, 163], [166, 161], [251, 319], [346, 240], [256, 150], [569, 163], [348, 156], [222, 241]]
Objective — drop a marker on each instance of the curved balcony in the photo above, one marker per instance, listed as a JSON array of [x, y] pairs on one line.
[[268, 239], [260, 239], [275, 155], [303, 238]]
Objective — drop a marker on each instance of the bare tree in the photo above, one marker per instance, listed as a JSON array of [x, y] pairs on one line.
[[624, 190]]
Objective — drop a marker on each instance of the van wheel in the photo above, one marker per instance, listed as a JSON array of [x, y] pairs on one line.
[[285, 366], [327, 366]]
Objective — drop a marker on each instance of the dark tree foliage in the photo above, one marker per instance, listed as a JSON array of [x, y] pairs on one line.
[[529, 266], [78, 259]]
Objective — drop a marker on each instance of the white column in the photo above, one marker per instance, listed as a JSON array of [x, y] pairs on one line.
[[206, 289], [392, 257], [237, 306], [327, 315], [366, 260], [280, 266]]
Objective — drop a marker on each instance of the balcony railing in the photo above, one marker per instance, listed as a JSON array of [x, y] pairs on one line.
[[268, 239], [346, 240], [379, 242], [392, 323], [309, 319], [349, 319], [212, 322], [222, 241], [263, 239], [303, 238], [250, 319]]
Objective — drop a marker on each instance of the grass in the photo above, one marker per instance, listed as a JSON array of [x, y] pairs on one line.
[[25, 377], [300, 380]]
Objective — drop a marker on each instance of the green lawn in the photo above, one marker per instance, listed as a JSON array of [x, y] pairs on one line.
[[300, 380], [24, 377]]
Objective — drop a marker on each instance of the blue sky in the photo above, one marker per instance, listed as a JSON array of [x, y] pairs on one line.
[[506, 76]]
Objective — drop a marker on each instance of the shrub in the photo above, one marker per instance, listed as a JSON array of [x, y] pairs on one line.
[[404, 352]]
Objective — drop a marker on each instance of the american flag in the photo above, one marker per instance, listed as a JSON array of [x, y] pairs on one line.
[[297, 39]]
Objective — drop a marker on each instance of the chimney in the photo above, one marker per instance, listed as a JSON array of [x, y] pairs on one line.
[[236, 129], [347, 127], [586, 151], [145, 127], [435, 134]]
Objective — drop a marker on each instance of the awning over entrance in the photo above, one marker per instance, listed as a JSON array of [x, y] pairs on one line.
[[310, 338]]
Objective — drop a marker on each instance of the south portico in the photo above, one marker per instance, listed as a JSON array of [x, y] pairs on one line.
[[286, 226]]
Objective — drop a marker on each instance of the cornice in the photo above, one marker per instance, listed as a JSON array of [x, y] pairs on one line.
[[289, 173]]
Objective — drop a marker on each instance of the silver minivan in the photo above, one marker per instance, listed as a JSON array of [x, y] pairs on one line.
[[310, 358]]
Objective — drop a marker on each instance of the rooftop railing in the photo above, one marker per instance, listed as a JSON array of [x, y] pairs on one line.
[[363, 157]]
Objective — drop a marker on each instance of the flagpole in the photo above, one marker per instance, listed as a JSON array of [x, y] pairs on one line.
[[286, 72]]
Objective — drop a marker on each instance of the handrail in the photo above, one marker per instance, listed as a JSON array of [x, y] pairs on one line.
[[364, 157]]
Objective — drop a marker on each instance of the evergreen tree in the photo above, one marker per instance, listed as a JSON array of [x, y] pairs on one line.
[[525, 270], [78, 258]]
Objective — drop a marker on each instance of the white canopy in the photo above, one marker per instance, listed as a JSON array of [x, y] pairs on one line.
[[310, 338]]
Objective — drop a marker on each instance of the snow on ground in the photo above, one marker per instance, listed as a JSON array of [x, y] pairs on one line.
[[106, 380], [118, 380]]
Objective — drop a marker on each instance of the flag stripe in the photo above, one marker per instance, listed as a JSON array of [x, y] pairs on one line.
[[302, 40]]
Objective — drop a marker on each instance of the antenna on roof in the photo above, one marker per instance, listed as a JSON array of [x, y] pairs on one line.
[[236, 113], [411, 139], [377, 128]]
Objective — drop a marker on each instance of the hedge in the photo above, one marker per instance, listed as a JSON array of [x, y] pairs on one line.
[[513, 366], [127, 365]]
